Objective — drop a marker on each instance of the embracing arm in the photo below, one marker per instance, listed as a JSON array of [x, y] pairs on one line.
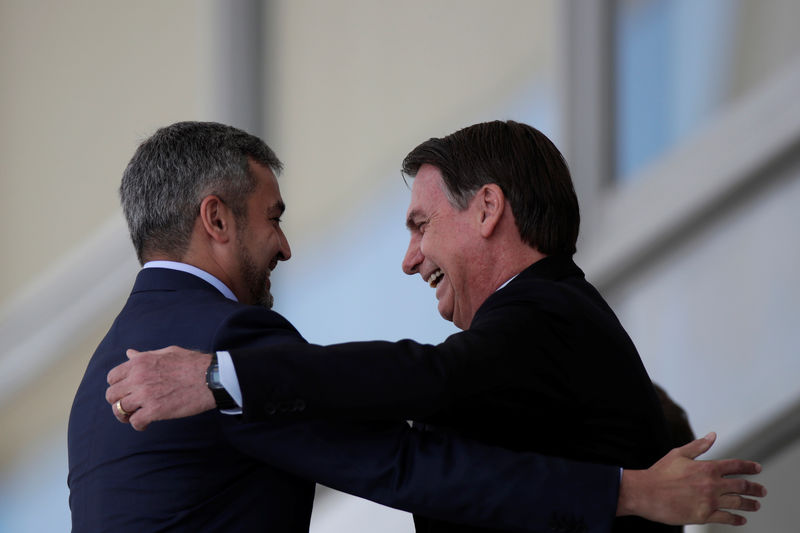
[[403, 380], [438, 475], [169, 383]]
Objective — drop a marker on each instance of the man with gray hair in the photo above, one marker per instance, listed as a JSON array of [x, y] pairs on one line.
[[542, 363], [203, 207]]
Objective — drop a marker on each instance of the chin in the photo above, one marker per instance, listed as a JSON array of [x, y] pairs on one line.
[[447, 314], [266, 300]]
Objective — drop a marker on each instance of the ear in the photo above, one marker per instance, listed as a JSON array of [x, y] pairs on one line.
[[491, 204], [217, 219]]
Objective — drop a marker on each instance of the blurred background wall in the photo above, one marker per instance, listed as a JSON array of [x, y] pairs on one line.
[[680, 120]]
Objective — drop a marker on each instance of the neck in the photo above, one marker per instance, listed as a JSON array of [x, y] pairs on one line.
[[496, 265], [514, 260], [204, 259]]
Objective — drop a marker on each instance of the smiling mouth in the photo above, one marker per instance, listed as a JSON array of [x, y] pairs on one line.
[[434, 279]]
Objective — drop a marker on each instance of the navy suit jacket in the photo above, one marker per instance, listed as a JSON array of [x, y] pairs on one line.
[[213, 473], [545, 366]]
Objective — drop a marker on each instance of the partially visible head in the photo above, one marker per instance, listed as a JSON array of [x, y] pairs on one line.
[[526, 166], [206, 193], [486, 202], [172, 171]]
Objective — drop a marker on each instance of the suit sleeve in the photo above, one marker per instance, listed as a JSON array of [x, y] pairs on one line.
[[402, 380], [433, 474], [438, 475]]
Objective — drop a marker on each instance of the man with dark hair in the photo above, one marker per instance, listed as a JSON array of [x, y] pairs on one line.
[[526, 165], [542, 363], [493, 205], [203, 208]]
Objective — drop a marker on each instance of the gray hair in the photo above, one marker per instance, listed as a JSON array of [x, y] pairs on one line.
[[172, 171]]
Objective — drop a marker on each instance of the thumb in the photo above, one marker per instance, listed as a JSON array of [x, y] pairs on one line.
[[131, 353], [697, 447]]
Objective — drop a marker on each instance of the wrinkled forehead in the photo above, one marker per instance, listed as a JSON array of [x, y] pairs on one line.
[[427, 190]]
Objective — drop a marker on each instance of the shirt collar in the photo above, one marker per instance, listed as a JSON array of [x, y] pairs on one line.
[[506, 282], [191, 269]]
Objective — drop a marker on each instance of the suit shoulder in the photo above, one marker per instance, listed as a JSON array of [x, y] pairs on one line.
[[249, 326], [223, 312], [562, 295], [531, 294]]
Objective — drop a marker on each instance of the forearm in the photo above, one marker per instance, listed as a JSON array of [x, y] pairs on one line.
[[370, 380], [439, 475]]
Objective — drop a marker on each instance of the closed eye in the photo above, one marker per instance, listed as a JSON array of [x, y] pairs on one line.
[[415, 226], [416, 221]]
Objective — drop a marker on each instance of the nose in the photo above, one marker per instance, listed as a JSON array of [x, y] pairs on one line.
[[413, 257], [284, 252]]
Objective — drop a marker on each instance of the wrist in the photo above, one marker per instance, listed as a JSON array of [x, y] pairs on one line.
[[629, 492]]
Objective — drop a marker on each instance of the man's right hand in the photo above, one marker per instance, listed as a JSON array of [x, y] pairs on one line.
[[679, 490], [159, 385]]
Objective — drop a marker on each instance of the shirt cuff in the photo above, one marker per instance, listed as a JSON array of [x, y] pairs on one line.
[[229, 380]]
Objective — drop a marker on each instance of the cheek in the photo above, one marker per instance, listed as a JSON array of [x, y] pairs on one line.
[[270, 242], [429, 242], [422, 244]]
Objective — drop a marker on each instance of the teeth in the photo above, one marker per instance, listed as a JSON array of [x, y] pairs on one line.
[[434, 278]]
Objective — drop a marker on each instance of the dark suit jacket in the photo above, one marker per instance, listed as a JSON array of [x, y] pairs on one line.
[[213, 473], [545, 366]]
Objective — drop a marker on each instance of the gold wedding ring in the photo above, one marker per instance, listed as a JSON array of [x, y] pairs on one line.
[[122, 411]]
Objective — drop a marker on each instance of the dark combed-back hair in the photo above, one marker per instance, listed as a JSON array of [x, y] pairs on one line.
[[172, 171], [526, 166]]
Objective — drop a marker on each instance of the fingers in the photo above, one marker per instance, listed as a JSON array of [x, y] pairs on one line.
[[116, 391], [733, 501], [123, 404], [129, 410], [139, 420], [123, 394], [159, 385], [724, 517], [697, 447], [736, 467], [121, 412], [167, 350], [118, 373], [743, 487]]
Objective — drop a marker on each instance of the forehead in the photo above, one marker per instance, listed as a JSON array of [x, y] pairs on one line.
[[427, 192], [266, 183]]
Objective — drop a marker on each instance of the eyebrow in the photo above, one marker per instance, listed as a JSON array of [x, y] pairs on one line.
[[411, 224]]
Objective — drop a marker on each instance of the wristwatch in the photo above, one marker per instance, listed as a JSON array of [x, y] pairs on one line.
[[221, 396]]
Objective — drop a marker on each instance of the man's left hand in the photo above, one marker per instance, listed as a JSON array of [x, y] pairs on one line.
[[159, 385]]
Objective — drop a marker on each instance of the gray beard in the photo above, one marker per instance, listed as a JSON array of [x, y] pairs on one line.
[[255, 280]]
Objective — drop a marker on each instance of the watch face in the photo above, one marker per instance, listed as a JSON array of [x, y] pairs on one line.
[[213, 377]]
